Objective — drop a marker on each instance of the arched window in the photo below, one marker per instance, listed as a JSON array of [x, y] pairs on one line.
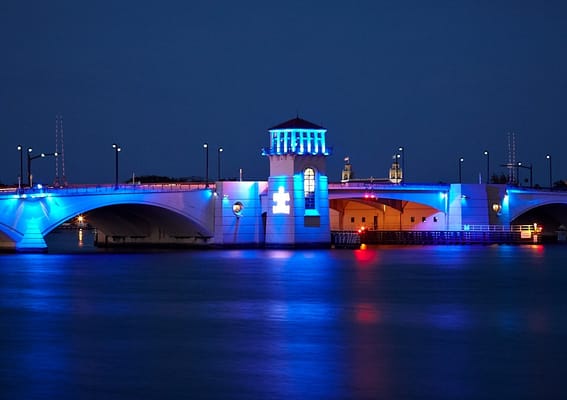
[[309, 188]]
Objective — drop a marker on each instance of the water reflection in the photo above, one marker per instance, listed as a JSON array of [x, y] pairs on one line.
[[449, 316], [71, 240], [384, 322], [367, 313], [538, 321], [366, 256]]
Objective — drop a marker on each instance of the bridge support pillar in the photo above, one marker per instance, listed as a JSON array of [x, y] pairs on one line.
[[33, 240]]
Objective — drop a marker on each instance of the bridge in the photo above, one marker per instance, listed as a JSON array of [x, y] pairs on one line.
[[238, 213], [296, 206], [182, 213]]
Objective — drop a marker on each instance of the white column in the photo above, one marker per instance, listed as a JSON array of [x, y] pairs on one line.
[[293, 141], [274, 141]]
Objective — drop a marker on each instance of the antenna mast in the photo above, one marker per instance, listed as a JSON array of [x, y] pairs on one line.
[[512, 178], [60, 150], [56, 180], [63, 153]]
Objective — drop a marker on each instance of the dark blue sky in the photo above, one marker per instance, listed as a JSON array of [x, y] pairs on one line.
[[443, 79]]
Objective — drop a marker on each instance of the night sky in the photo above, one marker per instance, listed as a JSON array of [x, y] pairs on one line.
[[445, 80]]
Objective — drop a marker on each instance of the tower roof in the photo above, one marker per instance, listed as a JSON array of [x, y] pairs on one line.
[[296, 123]]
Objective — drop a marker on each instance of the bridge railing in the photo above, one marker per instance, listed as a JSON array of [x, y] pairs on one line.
[[473, 228], [108, 188], [380, 184], [146, 187], [500, 228]]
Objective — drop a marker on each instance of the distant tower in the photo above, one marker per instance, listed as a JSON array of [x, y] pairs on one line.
[[60, 150], [395, 170], [298, 198], [347, 174], [512, 178]]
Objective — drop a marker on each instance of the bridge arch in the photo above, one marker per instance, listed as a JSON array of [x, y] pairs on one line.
[[140, 223], [124, 217], [388, 208], [549, 216], [548, 208]]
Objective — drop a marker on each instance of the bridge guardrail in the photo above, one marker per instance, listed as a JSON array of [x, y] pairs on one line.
[[500, 228], [456, 228], [381, 184], [109, 188]]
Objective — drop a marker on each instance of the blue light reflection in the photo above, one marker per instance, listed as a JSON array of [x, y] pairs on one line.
[[387, 322]]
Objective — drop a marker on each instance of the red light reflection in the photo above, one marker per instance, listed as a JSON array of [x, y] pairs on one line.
[[367, 313], [537, 248], [366, 256]]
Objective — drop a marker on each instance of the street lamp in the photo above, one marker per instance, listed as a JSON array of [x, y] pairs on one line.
[[206, 147], [29, 166], [550, 176], [402, 152], [530, 167], [460, 168], [219, 151], [117, 149], [31, 158], [20, 148], [487, 154]]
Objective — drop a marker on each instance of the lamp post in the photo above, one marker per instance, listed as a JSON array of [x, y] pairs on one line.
[[530, 167], [219, 151], [117, 149], [20, 149], [29, 166], [31, 158], [206, 147], [487, 154], [460, 168], [550, 176], [402, 152]]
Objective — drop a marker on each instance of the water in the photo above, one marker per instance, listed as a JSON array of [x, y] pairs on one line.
[[431, 322]]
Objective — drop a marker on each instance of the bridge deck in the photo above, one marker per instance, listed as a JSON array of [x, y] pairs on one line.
[[96, 189]]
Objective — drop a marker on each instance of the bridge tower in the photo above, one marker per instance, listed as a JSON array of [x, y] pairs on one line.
[[297, 211]]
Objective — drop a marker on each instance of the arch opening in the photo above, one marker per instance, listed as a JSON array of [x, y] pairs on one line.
[[372, 213], [131, 225], [549, 218]]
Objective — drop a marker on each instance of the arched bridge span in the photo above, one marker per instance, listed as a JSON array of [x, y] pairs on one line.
[[129, 214], [430, 195], [545, 207], [446, 206], [380, 206]]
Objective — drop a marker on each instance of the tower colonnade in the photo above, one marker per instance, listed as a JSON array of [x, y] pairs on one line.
[[298, 141]]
